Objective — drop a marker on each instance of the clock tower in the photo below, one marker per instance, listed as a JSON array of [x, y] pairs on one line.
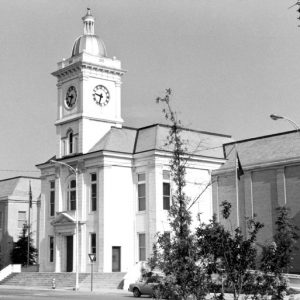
[[89, 93]]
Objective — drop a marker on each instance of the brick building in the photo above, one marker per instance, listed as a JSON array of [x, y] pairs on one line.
[[271, 178]]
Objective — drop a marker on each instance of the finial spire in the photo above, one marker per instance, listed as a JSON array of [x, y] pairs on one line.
[[88, 23]]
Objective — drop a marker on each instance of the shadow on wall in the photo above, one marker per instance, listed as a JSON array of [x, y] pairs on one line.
[[6, 246]]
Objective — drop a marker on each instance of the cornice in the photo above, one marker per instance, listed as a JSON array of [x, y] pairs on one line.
[[82, 66], [260, 166], [78, 116]]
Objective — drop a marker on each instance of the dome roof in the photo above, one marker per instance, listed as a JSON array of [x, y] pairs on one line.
[[89, 42]]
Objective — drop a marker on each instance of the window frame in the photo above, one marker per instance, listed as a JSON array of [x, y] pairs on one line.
[[93, 248], [71, 195], [142, 248], [93, 194], [51, 248], [70, 142], [19, 219], [141, 183], [166, 182], [52, 198]]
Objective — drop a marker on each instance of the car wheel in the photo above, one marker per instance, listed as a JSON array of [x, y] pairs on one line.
[[136, 292]]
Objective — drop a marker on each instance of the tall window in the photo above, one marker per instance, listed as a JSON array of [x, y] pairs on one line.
[[142, 247], [52, 198], [1, 220], [51, 248], [21, 219], [141, 192], [166, 190], [93, 191], [71, 195], [71, 142], [93, 243]]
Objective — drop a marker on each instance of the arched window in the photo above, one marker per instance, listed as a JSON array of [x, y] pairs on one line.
[[71, 195]]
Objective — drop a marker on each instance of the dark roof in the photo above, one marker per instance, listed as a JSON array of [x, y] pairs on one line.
[[117, 140], [154, 137], [197, 142], [265, 149]]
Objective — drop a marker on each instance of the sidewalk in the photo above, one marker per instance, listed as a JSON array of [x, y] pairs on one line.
[[81, 290]]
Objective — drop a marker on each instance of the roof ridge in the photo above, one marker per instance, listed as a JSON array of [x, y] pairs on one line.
[[186, 129], [19, 177], [261, 137]]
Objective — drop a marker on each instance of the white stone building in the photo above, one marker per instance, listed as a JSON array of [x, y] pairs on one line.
[[122, 191], [15, 211]]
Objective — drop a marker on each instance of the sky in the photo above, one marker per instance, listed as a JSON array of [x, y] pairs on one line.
[[229, 63]]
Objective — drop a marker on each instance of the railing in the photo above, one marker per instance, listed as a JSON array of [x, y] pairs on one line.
[[8, 270]]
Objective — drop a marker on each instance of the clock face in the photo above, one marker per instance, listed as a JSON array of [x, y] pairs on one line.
[[71, 97], [101, 95]]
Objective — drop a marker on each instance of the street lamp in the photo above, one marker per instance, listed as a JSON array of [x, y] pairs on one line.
[[92, 257], [278, 117], [75, 171]]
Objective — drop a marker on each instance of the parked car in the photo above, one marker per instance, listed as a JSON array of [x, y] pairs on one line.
[[141, 288], [147, 288]]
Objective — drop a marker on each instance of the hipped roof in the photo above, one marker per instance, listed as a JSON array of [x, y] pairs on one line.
[[133, 141], [276, 148]]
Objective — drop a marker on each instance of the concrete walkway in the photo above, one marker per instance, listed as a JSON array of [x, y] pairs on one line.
[[81, 290]]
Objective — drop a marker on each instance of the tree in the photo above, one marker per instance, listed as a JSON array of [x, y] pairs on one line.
[[231, 254], [20, 249], [277, 255], [175, 254]]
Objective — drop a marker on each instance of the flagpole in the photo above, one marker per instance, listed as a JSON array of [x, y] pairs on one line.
[[28, 226], [237, 188]]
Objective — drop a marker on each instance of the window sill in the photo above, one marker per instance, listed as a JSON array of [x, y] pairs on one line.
[[141, 212]]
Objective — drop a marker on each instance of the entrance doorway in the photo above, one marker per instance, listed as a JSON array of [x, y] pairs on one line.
[[116, 259], [69, 253]]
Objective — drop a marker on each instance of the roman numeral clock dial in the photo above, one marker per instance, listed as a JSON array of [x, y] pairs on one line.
[[71, 97], [101, 95]]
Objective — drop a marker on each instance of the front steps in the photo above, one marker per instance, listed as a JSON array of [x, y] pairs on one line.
[[104, 280], [64, 280]]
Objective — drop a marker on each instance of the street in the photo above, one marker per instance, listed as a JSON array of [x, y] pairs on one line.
[[16, 294]]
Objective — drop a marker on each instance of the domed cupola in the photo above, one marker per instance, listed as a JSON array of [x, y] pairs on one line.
[[89, 42]]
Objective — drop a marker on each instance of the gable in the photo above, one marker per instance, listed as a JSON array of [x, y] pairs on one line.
[[63, 219]]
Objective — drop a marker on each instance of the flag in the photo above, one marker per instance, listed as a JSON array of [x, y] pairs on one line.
[[239, 169], [30, 195]]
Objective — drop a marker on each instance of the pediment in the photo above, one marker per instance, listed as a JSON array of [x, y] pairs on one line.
[[63, 219]]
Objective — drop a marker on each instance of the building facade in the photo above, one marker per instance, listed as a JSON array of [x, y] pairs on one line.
[[271, 179], [108, 189], [14, 212]]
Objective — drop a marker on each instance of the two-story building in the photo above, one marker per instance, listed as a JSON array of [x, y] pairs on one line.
[[108, 189]]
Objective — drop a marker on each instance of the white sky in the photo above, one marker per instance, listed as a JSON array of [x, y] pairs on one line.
[[230, 64]]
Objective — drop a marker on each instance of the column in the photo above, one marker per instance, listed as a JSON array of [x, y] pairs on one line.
[[215, 197], [58, 244], [82, 248], [281, 186], [249, 208]]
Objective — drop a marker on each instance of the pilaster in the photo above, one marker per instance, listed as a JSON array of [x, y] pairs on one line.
[[248, 194], [58, 247], [281, 186], [215, 198]]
